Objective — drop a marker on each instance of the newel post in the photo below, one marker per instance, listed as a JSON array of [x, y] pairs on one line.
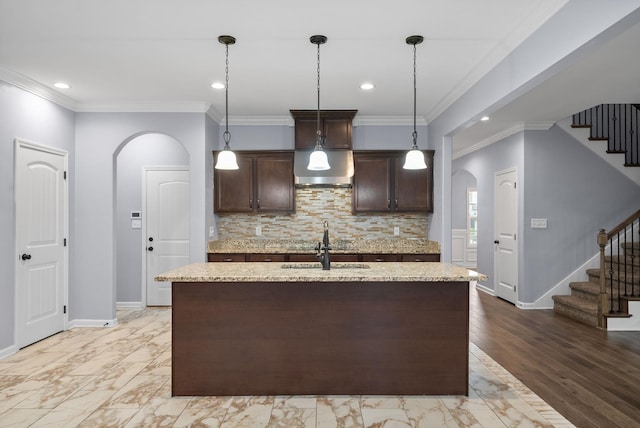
[[602, 297]]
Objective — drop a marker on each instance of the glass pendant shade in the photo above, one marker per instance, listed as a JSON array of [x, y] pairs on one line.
[[227, 159], [414, 160], [318, 160]]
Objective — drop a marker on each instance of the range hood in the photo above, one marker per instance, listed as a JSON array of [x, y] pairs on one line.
[[340, 174]]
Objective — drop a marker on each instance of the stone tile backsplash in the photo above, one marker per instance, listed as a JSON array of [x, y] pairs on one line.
[[313, 206]]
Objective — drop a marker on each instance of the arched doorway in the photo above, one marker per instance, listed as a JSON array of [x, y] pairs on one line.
[[133, 156]]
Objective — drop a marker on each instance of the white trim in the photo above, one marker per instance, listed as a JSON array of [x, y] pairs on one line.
[[129, 305], [562, 287], [148, 107], [23, 82], [93, 323], [8, 351], [522, 126], [388, 121], [485, 289]]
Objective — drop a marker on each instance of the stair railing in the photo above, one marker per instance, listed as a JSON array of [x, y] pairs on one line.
[[618, 124], [617, 271]]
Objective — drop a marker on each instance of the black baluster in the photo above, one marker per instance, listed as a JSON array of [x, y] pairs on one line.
[[611, 275]]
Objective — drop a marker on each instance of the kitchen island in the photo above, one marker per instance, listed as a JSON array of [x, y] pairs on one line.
[[295, 329]]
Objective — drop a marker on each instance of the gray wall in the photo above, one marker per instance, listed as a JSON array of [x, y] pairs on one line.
[[145, 150], [461, 180], [99, 137], [578, 193], [483, 164], [34, 119], [558, 179]]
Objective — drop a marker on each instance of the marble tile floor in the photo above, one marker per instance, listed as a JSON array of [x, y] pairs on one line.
[[120, 377]]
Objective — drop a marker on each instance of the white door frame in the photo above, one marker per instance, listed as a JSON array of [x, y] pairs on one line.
[[144, 221], [21, 144]]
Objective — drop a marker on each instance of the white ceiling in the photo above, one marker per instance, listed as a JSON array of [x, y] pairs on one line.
[[163, 55]]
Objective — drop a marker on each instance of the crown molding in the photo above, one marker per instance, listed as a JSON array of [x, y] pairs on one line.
[[388, 121], [29, 85], [147, 107], [519, 127]]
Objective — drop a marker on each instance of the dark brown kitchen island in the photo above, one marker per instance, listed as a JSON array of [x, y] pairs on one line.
[[279, 329]]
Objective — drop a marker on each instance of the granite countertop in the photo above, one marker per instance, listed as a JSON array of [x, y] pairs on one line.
[[355, 246], [312, 272]]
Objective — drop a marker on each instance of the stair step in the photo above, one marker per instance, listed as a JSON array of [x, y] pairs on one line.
[[582, 310], [585, 290]]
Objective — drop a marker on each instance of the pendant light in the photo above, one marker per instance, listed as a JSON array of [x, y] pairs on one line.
[[415, 158], [226, 158], [318, 159]]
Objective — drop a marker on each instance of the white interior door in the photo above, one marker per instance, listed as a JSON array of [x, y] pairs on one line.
[[167, 228], [41, 223], [505, 229]]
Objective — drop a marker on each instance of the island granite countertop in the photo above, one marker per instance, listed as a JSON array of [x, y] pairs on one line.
[[338, 246], [312, 272]]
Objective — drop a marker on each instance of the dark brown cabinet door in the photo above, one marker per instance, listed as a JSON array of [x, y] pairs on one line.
[[380, 184], [337, 131], [274, 183], [412, 187], [233, 189], [263, 183], [371, 190], [335, 126]]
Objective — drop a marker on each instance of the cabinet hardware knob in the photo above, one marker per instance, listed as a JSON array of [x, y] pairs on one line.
[[150, 239], [150, 248], [26, 257], [496, 242]]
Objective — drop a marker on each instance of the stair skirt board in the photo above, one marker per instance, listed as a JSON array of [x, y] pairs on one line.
[[626, 324]]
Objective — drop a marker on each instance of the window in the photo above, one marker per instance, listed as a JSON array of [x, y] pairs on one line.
[[472, 217]]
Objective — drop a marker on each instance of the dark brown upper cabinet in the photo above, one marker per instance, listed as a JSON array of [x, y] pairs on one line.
[[380, 184], [263, 183], [336, 127]]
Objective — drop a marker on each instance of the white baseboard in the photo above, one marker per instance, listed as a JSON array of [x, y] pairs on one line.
[[129, 305], [485, 289], [93, 323], [562, 288], [4, 353]]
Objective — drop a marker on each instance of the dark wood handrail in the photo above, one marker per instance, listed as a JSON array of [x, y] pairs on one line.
[[624, 224]]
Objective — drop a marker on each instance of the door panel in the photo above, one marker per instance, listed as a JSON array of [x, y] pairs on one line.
[[505, 228], [167, 229], [40, 238]]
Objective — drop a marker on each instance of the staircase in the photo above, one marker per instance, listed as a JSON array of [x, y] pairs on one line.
[[610, 299], [611, 296]]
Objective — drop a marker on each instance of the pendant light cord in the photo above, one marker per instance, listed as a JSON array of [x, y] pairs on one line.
[[226, 135], [415, 133], [319, 134]]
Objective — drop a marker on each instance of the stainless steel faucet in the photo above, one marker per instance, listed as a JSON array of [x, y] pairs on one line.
[[323, 249]]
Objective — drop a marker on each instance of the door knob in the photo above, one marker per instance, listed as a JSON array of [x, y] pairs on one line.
[[150, 248], [26, 257]]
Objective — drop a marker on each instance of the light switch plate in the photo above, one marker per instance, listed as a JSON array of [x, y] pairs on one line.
[[538, 223], [396, 230]]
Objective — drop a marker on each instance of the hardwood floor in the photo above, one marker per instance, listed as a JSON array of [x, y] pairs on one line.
[[591, 377]]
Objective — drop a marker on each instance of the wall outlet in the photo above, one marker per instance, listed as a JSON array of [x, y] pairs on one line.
[[396, 230], [212, 231], [258, 230]]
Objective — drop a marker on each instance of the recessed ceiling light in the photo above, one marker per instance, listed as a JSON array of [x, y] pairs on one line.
[[217, 85], [367, 86], [484, 118], [62, 85]]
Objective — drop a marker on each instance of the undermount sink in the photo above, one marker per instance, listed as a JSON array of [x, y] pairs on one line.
[[319, 266]]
